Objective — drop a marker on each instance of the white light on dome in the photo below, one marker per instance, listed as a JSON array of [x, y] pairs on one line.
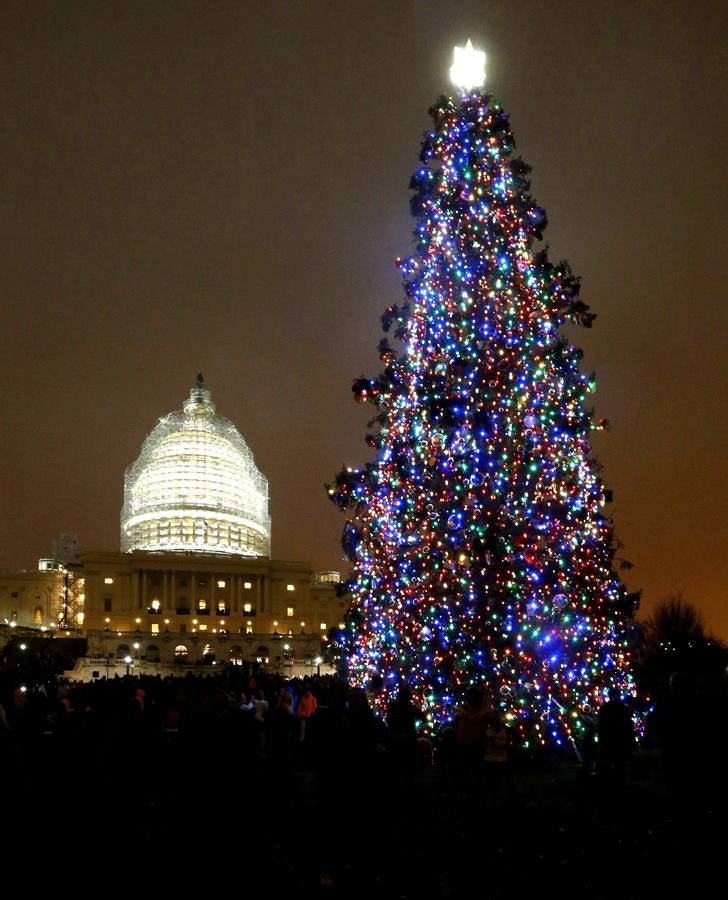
[[195, 487], [468, 68]]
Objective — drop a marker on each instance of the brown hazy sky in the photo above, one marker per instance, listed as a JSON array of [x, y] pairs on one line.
[[223, 187]]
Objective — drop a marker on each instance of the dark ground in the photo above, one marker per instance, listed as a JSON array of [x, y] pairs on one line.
[[172, 823]]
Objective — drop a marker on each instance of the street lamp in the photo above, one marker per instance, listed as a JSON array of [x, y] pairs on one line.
[[317, 663], [136, 645], [129, 663]]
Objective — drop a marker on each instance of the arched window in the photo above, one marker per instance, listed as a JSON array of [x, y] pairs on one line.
[[236, 655], [180, 653], [208, 653], [153, 653], [38, 615], [122, 650]]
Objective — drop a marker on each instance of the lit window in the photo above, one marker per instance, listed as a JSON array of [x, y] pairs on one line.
[[203, 627], [290, 587], [248, 627], [248, 607], [108, 580], [248, 585], [221, 584], [220, 605], [201, 604], [289, 611], [155, 627], [322, 626]]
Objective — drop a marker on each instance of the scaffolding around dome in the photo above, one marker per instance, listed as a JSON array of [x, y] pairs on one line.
[[195, 487]]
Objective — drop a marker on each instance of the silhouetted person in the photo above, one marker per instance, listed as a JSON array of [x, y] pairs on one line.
[[615, 737], [589, 743], [402, 718], [497, 763], [676, 712], [471, 739]]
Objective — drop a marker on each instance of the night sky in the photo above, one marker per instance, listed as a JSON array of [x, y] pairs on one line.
[[223, 187]]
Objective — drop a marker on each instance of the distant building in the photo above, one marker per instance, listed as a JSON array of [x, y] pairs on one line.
[[31, 599], [190, 608], [66, 549], [193, 581]]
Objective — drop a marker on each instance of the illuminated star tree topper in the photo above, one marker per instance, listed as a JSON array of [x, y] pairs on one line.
[[468, 68]]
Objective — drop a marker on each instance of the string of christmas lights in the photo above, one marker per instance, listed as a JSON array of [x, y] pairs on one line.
[[482, 553]]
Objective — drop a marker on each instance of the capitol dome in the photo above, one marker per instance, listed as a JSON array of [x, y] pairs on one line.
[[195, 487]]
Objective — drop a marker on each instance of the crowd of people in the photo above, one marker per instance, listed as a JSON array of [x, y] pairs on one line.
[[260, 718], [178, 756]]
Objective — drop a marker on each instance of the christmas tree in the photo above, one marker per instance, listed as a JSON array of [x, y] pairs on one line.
[[482, 553]]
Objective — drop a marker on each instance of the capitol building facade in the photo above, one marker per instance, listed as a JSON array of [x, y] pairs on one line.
[[193, 581]]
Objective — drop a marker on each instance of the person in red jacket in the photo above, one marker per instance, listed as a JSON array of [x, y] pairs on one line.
[[307, 706]]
